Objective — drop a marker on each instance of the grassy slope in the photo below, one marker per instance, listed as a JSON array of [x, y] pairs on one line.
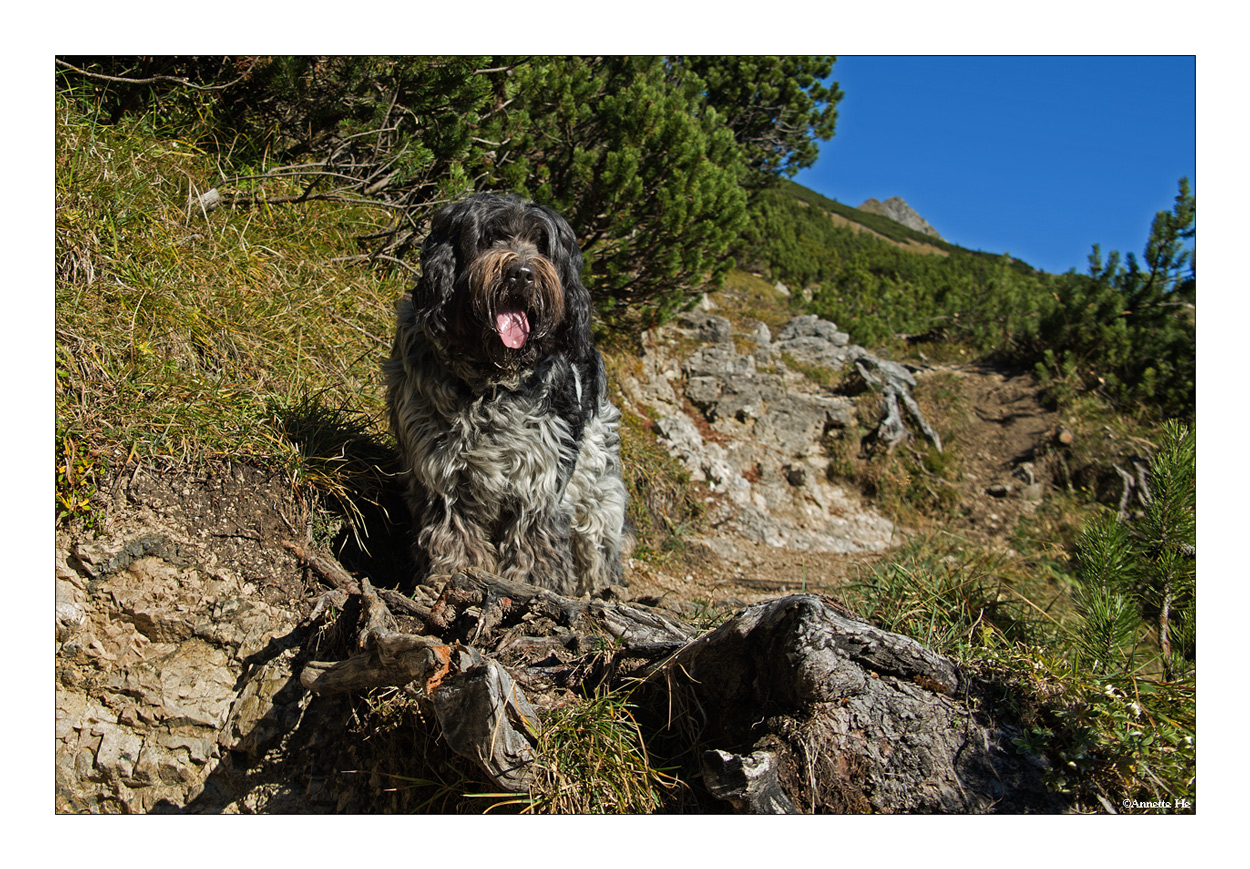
[[182, 337], [240, 336]]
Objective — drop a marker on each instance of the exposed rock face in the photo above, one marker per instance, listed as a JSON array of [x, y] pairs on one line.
[[760, 431], [897, 209], [176, 634]]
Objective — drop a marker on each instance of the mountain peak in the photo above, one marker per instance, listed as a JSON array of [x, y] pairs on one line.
[[897, 209]]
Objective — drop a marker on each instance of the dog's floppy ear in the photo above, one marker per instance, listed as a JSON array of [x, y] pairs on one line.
[[436, 286], [577, 306]]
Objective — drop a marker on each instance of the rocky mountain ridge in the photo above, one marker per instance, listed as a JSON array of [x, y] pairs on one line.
[[897, 209]]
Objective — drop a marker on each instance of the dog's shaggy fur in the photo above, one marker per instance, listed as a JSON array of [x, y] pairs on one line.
[[499, 404]]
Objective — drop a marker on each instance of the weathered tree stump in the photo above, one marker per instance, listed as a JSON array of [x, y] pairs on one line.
[[858, 719], [792, 705]]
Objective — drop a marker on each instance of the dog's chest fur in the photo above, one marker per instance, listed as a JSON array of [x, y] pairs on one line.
[[493, 451]]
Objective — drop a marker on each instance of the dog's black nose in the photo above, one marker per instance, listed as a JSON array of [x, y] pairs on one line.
[[520, 277]]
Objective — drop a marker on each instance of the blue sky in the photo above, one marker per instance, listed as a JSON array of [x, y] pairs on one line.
[[1039, 157]]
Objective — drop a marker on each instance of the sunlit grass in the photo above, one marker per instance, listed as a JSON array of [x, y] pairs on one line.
[[182, 335], [593, 761]]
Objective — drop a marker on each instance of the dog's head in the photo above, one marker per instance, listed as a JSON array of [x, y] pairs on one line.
[[501, 285]]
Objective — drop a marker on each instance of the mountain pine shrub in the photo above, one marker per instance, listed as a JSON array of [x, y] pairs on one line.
[[1127, 329], [1143, 570]]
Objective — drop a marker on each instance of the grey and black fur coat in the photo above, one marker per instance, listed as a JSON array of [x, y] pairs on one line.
[[499, 404]]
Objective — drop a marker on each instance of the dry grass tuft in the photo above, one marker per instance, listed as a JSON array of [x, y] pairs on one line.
[[593, 760]]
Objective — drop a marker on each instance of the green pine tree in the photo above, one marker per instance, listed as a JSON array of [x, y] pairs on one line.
[[1167, 529], [776, 107], [644, 169], [1143, 569], [1128, 328], [1110, 620]]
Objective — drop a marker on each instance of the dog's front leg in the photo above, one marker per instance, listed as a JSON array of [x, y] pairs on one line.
[[534, 547], [447, 542]]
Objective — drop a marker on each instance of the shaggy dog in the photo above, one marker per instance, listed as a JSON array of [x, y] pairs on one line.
[[499, 404]]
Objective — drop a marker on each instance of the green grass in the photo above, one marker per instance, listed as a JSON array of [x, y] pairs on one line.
[[749, 298], [664, 506], [593, 761], [184, 338], [949, 595]]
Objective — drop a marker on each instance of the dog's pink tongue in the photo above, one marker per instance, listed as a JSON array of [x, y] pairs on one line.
[[513, 328]]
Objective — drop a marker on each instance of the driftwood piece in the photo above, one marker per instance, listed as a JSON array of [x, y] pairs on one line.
[[812, 653], [397, 659], [384, 656], [483, 713], [485, 716]]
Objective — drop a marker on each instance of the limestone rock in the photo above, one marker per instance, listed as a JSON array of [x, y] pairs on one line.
[[897, 209], [161, 659], [768, 427]]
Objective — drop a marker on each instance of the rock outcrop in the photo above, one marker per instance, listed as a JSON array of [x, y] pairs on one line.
[[741, 412], [897, 209], [177, 628]]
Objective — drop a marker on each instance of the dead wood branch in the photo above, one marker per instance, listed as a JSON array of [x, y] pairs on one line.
[[384, 656], [497, 601], [328, 570], [156, 79], [896, 384]]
